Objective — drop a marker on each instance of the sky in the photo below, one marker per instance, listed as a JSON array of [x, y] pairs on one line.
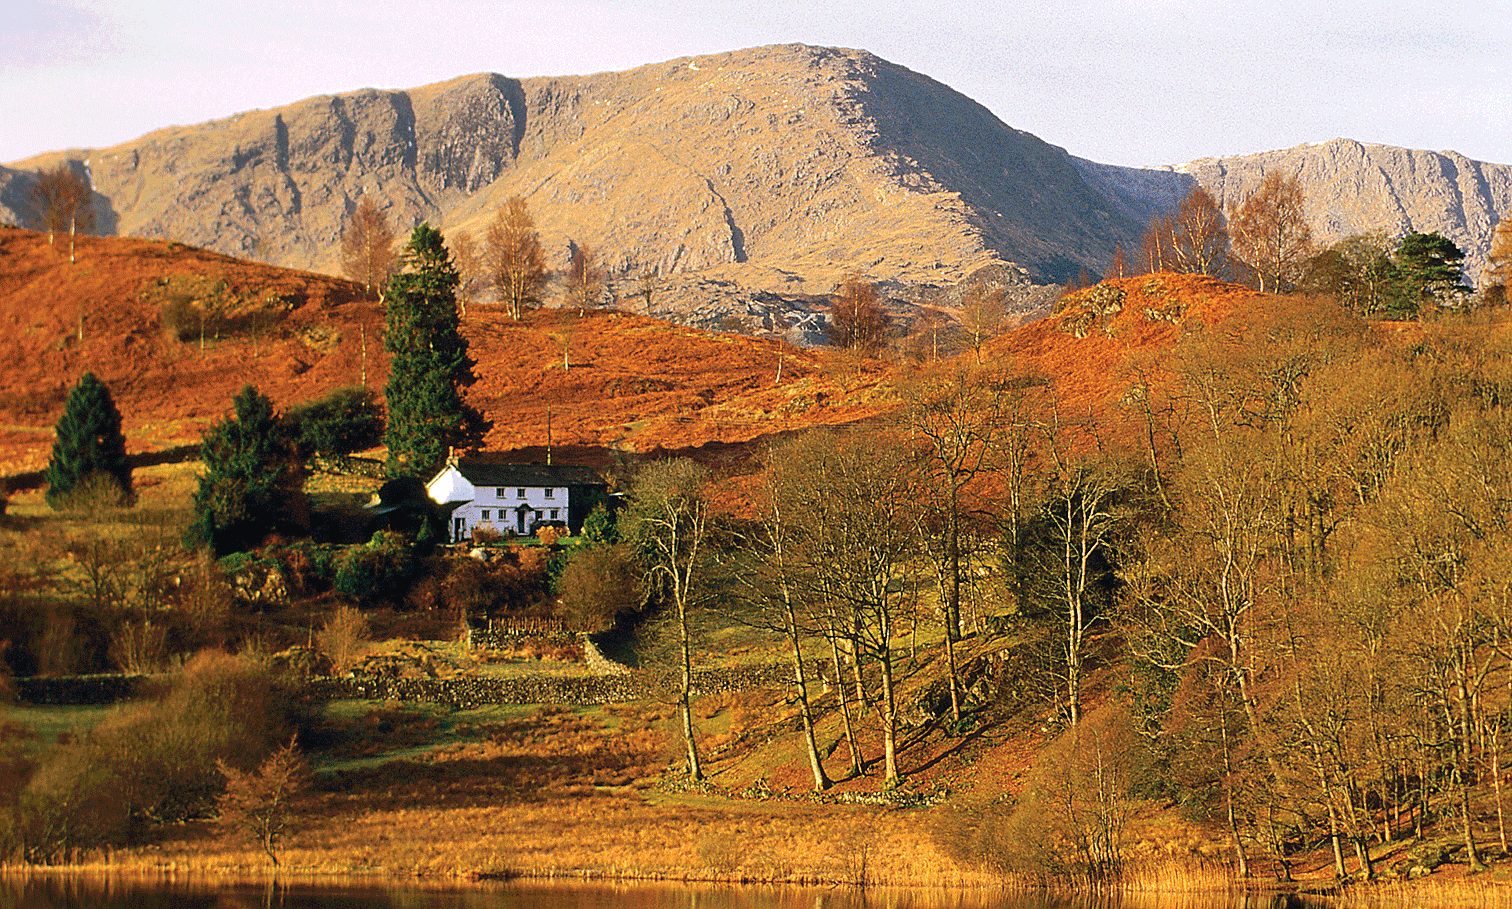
[[1131, 82]]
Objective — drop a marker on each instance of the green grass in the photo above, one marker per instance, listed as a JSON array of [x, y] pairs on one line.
[[47, 726]]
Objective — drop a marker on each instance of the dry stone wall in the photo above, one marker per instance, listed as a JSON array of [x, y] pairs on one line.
[[467, 693], [78, 690]]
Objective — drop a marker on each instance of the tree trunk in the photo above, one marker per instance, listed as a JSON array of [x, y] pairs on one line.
[[1472, 852], [821, 780], [1362, 852], [955, 684], [845, 714], [1228, 799], [695, 771], [953, 555], [1333, 841], [889, 720]]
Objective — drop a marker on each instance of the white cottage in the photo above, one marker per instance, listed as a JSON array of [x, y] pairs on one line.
[[514, 499]]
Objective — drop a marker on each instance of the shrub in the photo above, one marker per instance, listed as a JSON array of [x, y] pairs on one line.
[[151, 762], [485, 535], [511, 579], [259, 804], [597, 584], [139, 647], [381, 569], [344, 421], [344, 638]]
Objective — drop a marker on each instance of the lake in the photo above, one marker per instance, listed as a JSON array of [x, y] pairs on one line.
[[97, 893]]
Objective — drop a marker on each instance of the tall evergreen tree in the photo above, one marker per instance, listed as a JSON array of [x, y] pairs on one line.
[[251, 483], [89, 444], [1430, 265], [429, 368]]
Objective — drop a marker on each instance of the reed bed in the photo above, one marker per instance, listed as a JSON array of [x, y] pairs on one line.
[[1482, 892]]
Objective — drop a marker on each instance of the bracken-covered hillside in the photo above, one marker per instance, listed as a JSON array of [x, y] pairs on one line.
[[632, 382]]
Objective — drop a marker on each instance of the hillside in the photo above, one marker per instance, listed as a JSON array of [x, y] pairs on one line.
[[467, 788], [634, 383]]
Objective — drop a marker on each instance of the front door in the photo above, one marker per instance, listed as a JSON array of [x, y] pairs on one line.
[[459, 527]]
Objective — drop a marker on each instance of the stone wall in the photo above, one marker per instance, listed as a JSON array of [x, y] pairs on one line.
[[503, 633], [466, 693], [606, 687], [78, 689]]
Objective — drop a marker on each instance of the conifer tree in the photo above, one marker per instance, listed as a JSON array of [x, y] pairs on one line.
[[89, 446], [1430, 266], [429, 368], [251, 483]]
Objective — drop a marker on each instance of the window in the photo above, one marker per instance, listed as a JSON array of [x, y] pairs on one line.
[[553, 514], [485, 515], [521, 493], [500, 493], [549, 491]]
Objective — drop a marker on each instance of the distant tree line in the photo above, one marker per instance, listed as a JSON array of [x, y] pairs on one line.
[[1265, 241]]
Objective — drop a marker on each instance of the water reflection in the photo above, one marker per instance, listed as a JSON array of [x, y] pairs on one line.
[[107, 893]]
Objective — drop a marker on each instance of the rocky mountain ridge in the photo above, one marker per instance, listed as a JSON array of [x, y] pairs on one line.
[[1351, 187], [751, 181]]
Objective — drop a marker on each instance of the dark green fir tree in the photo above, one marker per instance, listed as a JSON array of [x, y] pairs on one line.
[[1430, 265], [252, 481], [90, 452], [429, 368]]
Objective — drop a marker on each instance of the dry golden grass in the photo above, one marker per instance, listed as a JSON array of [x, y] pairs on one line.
[[1482, 892], [554, 792]]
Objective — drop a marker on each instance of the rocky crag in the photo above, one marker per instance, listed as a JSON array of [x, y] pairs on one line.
[[1351, 187]]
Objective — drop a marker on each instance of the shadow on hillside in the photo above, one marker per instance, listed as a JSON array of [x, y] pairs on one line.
[[958, 746], [464, 782], [722, 457]]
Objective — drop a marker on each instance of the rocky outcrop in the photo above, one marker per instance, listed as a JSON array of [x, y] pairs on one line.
[[1351, 187]]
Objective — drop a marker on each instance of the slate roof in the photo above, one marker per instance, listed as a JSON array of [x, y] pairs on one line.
[[483, 474]]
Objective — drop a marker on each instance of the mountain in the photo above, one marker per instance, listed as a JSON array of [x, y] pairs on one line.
[[775, 169], [1351, 187], [751, 180]]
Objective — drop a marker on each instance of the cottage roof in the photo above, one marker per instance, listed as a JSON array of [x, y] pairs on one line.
[[483, 474]]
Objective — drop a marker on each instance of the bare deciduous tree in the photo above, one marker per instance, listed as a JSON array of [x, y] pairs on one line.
[[648, 285], [1270, 234], [585, 278], [1120, 266], [63, 198], [259, 804], [367, 246], [1155, 245], [1499, 260], [849, 499], [1192, 241], [1199, 237], [984, 312], [472, 273], [857, 320], [515, 261], [667, 522]]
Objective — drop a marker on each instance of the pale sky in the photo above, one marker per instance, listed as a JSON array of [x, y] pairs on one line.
[[1134, 82]]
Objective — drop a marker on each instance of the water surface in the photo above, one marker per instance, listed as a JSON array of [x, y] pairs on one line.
[[98, 893]]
